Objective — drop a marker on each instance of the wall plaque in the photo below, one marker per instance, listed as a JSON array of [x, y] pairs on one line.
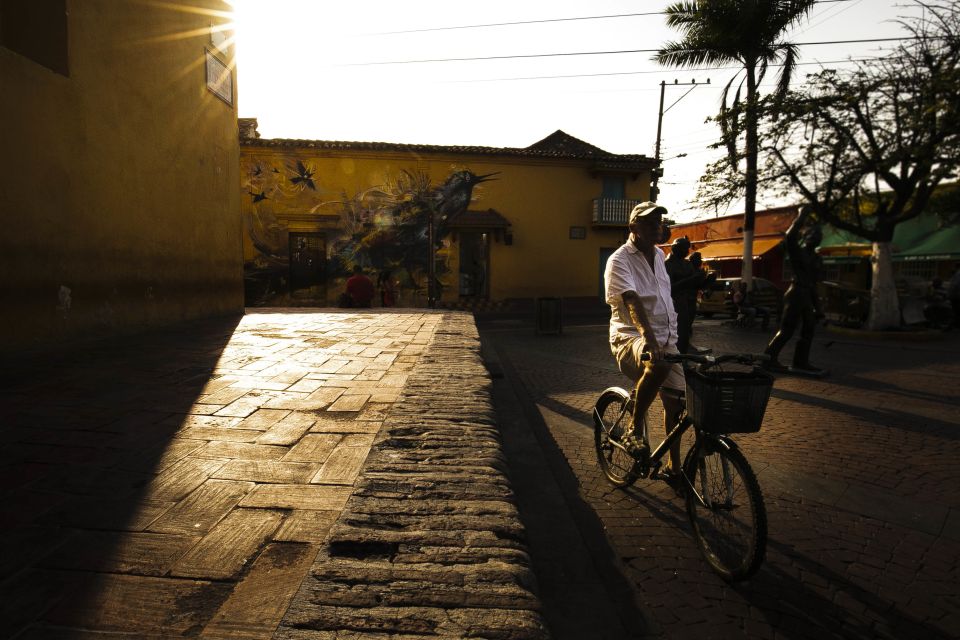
[[219, 78]]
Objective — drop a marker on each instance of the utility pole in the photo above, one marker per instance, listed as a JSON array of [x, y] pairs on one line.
[[658, 170]]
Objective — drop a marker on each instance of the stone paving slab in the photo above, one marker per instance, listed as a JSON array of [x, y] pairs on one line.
[[404, 560], [193, 482]]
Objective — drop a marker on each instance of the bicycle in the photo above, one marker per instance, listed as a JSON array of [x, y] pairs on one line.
[[723, 498]]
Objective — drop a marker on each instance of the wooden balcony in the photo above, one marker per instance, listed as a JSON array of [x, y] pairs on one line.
[[612, 212]]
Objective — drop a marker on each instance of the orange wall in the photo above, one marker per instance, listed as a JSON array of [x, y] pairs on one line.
[[119, 200]]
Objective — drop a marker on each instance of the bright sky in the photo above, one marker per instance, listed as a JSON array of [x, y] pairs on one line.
[[355, 71]]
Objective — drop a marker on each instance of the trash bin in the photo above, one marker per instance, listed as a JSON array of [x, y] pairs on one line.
[[549, 315]]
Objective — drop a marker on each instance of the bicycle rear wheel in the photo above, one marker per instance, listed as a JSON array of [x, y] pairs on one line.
[[726, 509], [610, 419]]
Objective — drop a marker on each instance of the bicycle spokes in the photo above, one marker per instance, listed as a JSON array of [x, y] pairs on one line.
[[727, 512], [609, 415]]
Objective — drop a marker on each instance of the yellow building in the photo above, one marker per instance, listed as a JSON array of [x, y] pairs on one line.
[[119, 167], [537, 221]]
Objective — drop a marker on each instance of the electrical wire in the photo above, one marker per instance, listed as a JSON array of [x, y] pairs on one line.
[[662, 71], [547, 21], [592, 53]]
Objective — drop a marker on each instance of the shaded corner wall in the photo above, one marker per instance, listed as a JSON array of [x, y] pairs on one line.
[[118, 198]]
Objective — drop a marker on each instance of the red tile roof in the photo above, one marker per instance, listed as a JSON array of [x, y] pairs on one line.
[[557, 145]]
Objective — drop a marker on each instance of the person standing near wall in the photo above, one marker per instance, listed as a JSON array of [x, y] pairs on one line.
[[685, 281], [360, 288], [388, 293]]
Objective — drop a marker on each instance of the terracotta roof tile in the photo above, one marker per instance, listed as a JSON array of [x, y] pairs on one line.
[[558, 145]]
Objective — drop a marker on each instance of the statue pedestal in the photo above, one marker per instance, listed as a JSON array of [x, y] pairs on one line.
[[807, 373]]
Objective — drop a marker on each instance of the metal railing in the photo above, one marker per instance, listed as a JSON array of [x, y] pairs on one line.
[[612, 211]]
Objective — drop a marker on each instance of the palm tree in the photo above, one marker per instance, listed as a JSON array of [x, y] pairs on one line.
[[748, 32]]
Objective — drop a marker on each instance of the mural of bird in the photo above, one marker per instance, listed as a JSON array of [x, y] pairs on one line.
[[453, 196], [304, 177], [257, 197]]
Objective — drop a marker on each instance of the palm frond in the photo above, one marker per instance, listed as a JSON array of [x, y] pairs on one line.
[[786, 72]]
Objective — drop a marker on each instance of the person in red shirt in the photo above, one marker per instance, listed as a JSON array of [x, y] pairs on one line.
[[360, 288]]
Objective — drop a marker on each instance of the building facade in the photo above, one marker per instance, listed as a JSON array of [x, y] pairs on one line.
[[120, 166], [720, 241], [508, 223]]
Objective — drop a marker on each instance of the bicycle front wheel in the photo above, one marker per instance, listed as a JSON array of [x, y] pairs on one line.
[[611, 417], [726, 509]]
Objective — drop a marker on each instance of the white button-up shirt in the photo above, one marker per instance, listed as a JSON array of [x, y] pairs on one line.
[[628, 270]]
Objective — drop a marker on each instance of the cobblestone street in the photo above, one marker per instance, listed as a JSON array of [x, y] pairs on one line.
[[293, 473], [860, 473]]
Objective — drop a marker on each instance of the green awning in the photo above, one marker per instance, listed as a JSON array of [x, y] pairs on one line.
[[935, 244], [920, 238]]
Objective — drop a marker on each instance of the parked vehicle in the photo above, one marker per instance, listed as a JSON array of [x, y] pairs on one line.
[[718, 299]]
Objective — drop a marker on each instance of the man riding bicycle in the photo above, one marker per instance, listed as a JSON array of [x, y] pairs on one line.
[[643, 320]]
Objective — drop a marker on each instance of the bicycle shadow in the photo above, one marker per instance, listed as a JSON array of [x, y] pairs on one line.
[[885, 417], [855, 381], [782, 592], [796, 611]]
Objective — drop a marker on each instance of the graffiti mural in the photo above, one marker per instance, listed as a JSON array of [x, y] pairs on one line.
[[383, 228]]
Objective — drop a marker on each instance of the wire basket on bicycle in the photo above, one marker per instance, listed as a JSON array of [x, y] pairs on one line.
[[724, 401]]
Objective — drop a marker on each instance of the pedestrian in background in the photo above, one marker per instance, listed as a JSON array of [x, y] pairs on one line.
[[388, 294], [685, 281], [707, 278], [359, 288]]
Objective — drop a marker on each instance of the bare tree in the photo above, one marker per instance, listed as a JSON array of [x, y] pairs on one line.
[[867, 149]]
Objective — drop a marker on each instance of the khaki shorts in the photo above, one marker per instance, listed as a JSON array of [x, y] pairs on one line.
[[627, 352]]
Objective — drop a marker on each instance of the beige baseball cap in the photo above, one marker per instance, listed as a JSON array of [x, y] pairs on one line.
[[645, 209]]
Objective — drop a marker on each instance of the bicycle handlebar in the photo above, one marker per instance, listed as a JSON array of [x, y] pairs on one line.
[[740, 358]]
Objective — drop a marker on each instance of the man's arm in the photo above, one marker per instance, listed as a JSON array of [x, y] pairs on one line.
[[793, 233], [640, 320]]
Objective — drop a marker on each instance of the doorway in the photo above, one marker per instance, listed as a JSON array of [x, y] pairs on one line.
[[474, 264], [308, 262]]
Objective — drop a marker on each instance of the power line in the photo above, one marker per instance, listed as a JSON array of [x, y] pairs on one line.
[[543, 21], [520, 22], [593, 53], [667, 71]]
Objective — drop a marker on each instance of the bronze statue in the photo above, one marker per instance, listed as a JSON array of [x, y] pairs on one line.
[[801, 304]]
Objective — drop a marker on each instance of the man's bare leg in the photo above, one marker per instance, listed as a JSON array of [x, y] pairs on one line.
[[671, 406], [648, 385]]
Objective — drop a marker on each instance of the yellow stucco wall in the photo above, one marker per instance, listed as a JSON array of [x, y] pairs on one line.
[[541, 198], [119, 180]]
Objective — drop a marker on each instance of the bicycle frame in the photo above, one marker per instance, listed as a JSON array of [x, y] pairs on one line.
[[683, 422]]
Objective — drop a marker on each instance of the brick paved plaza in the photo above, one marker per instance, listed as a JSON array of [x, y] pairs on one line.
[[322, 474], [207, 481], [860, 472]]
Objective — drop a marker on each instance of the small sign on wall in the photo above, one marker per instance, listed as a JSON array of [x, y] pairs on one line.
[[578, 233], [219, 78]]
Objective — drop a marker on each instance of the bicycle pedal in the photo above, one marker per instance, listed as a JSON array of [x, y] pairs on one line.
[[635, 448]]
